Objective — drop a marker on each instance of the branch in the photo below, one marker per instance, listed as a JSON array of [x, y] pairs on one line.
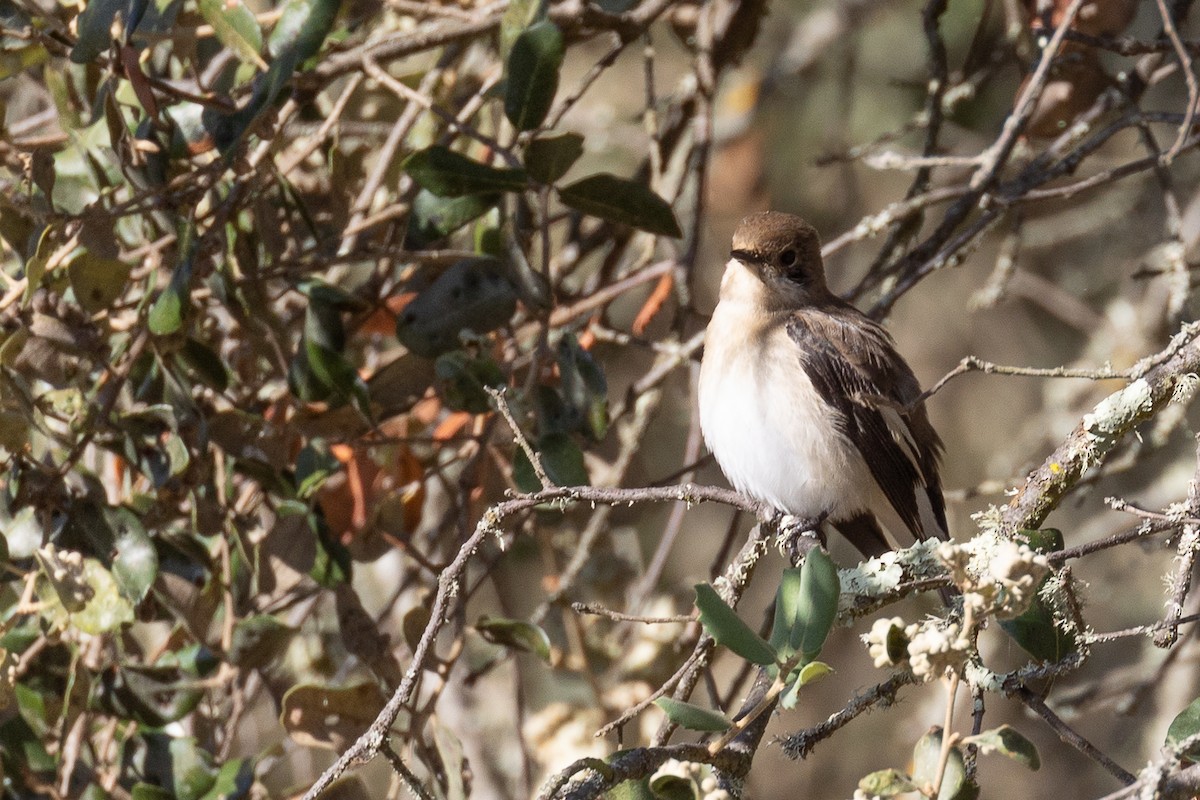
[[371, 743], [1102, 429], [590, 777]]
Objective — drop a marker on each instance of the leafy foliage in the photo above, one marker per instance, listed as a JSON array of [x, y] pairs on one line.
[[294, 296], [224, 388]]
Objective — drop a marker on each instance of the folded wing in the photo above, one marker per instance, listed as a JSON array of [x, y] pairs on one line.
[[854, 366]]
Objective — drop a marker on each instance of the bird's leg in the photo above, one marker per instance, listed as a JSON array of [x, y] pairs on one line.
[[797, 535]]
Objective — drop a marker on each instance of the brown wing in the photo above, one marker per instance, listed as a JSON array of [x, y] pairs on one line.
[[856, 369]]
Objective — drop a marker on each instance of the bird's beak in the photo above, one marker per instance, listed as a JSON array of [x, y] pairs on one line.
[[745, 256]]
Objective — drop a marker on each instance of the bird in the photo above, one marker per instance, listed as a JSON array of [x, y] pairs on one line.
[[806, 403]]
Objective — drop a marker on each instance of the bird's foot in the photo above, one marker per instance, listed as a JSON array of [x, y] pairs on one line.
[[796, 536]]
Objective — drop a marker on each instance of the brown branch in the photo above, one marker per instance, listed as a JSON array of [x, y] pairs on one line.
[[1070, 736], [973, 364], [798, 745], [1101, 430], [371, 743], [600, 611], [589, 778]]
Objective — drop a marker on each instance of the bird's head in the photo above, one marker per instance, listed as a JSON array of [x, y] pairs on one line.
[[784, 252]]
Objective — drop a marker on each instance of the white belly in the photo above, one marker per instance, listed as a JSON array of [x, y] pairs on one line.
[[769, 429]]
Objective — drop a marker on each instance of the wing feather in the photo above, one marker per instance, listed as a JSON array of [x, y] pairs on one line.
[[856, 369]]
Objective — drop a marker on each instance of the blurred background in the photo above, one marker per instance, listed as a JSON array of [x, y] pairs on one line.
[[271, 186]]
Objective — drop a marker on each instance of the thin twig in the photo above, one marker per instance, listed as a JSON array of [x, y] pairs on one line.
[[600, 611], [535, 458], [1181, 581], [1189, 76], [1070, 736]]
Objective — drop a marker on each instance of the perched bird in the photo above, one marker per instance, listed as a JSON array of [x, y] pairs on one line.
[[804, 401]]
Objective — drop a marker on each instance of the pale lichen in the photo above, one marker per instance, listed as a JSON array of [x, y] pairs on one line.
[[1115, 412], [1185, 388], [881, 575]]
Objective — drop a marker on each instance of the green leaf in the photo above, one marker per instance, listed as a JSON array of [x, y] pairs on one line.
[[530, 284], [298, 35], [22, 743], [205, 364], [234, 780], [1186, 724], [631, 790], [433, 217], [561, 457], [332, 566], [532, 72], [330, 716], [447, 173], [1007, 741], [816, 604], [192, 770], [259, 640], [235, 25], [674, 787], [97, 282], [81, 594], [926, 757], [314, 465], [1043, 540], [23, 534], [16, 60], [811, 672], [1036, 631], [323, 325], [523, 474], [166, 315], [302, 28], [622, 201], [148, 791], [886, 783], [563, 460], [723, 624], [517, 634], [135, 560], [323, 339], [463, 380], [787, 601], [693, 717], [547, 158], [302, 381], [584, 386], [35, 267], [94, 27], [518, 15], [153, 696], [472, 295], [334, 298]]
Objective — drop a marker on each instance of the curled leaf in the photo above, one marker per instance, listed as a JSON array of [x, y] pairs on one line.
[[515, 633]]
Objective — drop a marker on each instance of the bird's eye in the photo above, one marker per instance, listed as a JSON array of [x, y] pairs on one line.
[[787, 257]]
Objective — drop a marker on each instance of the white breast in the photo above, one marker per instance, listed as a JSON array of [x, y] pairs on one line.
[[766, 424]]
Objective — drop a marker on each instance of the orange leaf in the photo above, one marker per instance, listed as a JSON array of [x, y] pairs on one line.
[[448, 428], [654, 303]]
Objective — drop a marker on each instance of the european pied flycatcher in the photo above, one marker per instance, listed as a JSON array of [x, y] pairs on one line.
[[804, 401]]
